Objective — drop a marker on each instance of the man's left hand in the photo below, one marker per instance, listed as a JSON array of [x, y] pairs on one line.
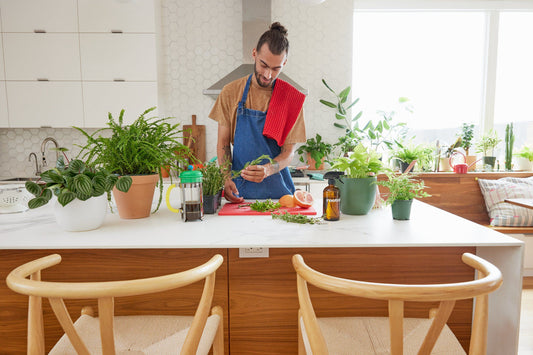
[[255, 173]]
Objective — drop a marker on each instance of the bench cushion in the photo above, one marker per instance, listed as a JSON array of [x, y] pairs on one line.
[[502, 213]]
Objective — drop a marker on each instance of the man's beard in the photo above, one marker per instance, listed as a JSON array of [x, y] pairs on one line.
[[258, 78]]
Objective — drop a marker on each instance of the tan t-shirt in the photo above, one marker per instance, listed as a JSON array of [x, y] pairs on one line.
[[225, 109]]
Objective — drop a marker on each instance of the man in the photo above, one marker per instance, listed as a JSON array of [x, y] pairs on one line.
[[260, 115]]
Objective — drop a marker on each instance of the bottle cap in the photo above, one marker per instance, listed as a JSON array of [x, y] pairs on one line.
[[190, 176]]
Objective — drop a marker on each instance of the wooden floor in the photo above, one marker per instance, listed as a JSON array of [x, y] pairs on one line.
[[525, 342]]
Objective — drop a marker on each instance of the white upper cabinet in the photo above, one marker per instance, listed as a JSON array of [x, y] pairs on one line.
[[3, 106], [45, 103], [111, 56], [39, 15], [103, 98], [116, 15], [34, 56]]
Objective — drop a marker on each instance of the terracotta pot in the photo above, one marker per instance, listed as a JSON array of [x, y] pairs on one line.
[[137, 202], [470, 159], [165, 171], [311, 162]]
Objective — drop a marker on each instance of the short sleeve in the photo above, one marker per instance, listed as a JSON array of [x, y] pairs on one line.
[[297, 133]]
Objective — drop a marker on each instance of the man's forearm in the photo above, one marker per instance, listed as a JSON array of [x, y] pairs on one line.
[[282, 160], [224, 157]]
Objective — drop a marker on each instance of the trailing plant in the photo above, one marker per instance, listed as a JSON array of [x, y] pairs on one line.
[[360, 163], [509, 142], [140, 148], [488, 142], [72, 180], [525, 152], [316, 148], [212, 178], [403, 187], [467, 135]]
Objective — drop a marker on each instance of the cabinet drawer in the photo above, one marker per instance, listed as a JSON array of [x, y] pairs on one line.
[[112, 15], [31, 15], [34, 104], [130, 57], [32, 56], [100, 98], [3, 105]]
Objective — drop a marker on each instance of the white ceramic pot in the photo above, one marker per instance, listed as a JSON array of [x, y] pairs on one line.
[[80, 216], [523, 164]]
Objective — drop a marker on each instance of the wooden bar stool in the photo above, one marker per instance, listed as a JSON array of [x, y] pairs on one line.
[[110, 334], [394, 334]]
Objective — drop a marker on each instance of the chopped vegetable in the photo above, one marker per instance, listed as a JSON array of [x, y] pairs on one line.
[[297, 218], [266, 206]]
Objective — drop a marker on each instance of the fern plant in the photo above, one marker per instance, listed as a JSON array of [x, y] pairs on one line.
[[403, 187], [361, 163]]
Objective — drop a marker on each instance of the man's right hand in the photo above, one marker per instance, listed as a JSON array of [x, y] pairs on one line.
[[230, 192]]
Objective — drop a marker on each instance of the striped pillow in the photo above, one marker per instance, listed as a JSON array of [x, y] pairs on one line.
[[502, 213]]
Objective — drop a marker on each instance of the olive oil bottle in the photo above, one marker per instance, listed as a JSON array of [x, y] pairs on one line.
[[331, 196]]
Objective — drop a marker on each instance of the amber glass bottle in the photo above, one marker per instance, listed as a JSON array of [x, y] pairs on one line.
[[331, 202]]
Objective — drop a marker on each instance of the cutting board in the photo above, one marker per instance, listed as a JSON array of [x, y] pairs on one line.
[[194, 138], [233, 209]]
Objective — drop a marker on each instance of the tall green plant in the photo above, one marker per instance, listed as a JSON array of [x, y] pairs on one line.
[[212, 179], [488, 142], [509, 142], [467, 135]]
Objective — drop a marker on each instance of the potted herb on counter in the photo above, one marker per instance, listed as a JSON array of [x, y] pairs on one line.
[[213, 183], [316, 152], [403, 188], [138, 150]]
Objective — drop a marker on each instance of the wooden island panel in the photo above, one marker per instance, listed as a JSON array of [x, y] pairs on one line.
[[263, 299], [104, 265]]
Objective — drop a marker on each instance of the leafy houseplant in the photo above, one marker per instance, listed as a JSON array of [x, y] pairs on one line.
[[408, 152], [212, 185], [357, 186], [466, 135], [140, 148], [402, 189], [486, 145], [316, 149], [525, 161]]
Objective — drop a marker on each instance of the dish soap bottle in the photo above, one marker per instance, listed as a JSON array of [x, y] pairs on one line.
[[331, 197]]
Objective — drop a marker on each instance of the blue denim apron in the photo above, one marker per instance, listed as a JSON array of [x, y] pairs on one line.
[[249, 144]]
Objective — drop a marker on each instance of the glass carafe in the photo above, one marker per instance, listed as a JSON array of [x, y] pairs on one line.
[[191, 195]]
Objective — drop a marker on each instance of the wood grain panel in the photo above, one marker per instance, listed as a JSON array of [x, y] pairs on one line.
[[106, 265], [264, 304]]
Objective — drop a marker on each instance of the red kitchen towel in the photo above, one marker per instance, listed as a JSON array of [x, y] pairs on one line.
[[285, 106]]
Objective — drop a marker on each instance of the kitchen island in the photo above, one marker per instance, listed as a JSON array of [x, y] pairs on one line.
[[258, 294]]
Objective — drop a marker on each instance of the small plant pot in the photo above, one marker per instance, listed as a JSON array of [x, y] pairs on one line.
[[312, 163], [212, 203], [78, 216], [401, 209], [137, 202], [488, 163], [470, 160], [523, 164], [357, 195], [444, 164], [403, 166]]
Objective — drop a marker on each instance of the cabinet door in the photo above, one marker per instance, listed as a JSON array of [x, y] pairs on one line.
[[100, 98], [107, 57], [116, 15], [2, 76], [3, 105], [44, 103], [32, 56], [39, 15]]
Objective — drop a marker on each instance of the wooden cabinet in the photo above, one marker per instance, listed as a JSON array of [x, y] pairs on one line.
[[4, 121], [115, 15], [34, 56], [102, 97], [61, 100], [38, 15]]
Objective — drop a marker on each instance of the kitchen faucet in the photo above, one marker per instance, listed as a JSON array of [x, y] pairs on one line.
[[43, 146], [37, 167]]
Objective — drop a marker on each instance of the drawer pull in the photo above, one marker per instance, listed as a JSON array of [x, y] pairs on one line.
[[39, 31], [42, 79], [119, 80], [116, 31]]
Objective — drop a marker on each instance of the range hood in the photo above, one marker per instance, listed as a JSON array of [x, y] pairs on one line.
[[256, 20]]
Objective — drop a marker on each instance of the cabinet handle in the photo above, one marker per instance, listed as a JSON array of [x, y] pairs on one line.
[[119, 80], [42, 79], [39, 31], [116, 31]]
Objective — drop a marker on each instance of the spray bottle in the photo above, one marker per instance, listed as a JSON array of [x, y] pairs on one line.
[[331, 197]]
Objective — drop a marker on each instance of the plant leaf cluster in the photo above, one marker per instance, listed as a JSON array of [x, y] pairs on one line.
[[360, 163], [525, 152], [316, 148], [296, 218], [487, 142], [212, 179], [408, 152], [265, 206], [403, 187], [74, 180], [256, 161], [467, 135]]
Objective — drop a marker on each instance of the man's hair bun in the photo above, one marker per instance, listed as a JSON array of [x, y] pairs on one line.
[[276, 26]]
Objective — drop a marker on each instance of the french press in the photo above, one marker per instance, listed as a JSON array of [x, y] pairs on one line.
[[191, 196]]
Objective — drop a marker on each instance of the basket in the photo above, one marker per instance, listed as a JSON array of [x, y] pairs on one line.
[[14, 198]]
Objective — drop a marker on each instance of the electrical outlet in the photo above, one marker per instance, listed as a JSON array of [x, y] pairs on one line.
[[253, 252]]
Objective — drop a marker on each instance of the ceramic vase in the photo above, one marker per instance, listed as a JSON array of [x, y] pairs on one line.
[[137, 202], [357, 194], [79, 215], [523, 164], [401, 209]]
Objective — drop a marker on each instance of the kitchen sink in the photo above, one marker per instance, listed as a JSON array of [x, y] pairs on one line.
[[18, 179]]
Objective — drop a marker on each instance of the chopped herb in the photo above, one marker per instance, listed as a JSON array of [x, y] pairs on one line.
[[266, 206], [235, 173], [297, 218]]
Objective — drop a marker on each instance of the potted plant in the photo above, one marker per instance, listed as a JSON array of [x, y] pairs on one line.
[[357, 185], [81, 192], [444, 161], [316, 152], [403, 188], [509, 143], [524, 159], [138, 150], [486, 145], [212, 185], [467, 136], [406, 153]]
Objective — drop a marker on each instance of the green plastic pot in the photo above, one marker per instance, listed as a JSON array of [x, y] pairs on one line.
[[357, 194], [401, 209]]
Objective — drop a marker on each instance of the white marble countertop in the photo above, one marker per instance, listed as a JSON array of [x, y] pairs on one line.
[[429, 226]]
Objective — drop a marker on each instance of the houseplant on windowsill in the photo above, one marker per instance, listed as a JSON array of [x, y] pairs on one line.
[[524, 159], [486, 145], [403, 188], [138, 150], [358, 184], [81, 192], [467, 135], [406, 153], [316, 152]]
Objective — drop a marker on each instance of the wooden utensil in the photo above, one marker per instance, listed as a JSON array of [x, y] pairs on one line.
[[194, 138]]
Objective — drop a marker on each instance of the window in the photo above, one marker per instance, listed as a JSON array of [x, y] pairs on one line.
[[455, 65]]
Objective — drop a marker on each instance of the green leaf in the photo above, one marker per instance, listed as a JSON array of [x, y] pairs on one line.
[[353, 103], [33, 188], [52, 176], [330, 89], [47, 194], [340, 117], [358, 116], [339, 125], [82, 184], [66, 197], [83, 196], [124, 183], [77, 166], [37, 202], [379, 127], [110, 182], [60, 164], [329, 104], [386, 125], [344, 94]]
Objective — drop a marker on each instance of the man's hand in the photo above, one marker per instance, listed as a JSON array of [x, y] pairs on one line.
[[258, 173], [230, 192]]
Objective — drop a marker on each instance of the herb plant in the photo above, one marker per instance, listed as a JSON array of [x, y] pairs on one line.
[[407, 152], [487, 143], [212, 179], [316, 148], [403, 187], [360, 163], [265, 206], [74, 180], [235, 173], [296, 218]]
